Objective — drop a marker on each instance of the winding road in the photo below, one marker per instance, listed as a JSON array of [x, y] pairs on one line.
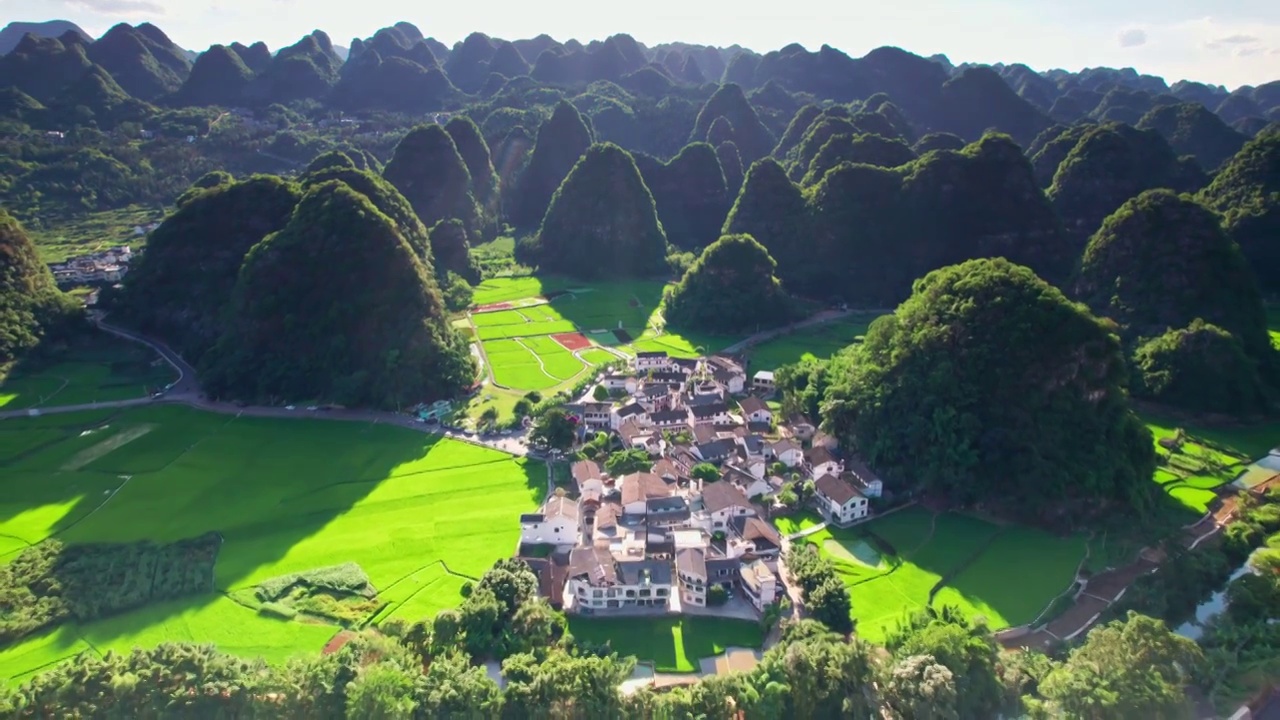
[[186, 391]]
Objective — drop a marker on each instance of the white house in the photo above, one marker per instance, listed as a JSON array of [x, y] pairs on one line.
[[620, 381], [759, 584], [639, 488], [716, 413], [597, 583], [822, 462], [840, 501], [588, 476], [865, 478], [753, 538], [597, 415], [755, 410], [727, 373], [675, 420], [634, 411], [721, 502], [691, 572], [751, 484], [788, 452], [646, 361], [762, 382], [555, 524], [801, 426]]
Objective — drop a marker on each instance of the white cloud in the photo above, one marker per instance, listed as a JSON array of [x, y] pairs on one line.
[[1132, 37], [1247, 51], [119, 7]]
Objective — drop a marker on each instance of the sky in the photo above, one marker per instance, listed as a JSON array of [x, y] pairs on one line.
[[1221, 42]]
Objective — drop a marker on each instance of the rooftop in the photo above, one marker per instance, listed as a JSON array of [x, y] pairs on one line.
[[838, 489]]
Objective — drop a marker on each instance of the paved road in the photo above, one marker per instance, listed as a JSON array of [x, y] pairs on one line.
[[186, 391]]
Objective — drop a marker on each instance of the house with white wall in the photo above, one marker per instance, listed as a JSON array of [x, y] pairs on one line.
[[839, 501], [555, 524]]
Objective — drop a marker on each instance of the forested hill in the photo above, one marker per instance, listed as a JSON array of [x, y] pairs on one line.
[[400, 69]]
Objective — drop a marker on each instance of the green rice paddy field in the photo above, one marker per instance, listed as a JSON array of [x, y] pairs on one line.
[[894, 565], [672, 644], [100, 368], [419, 514], [819, 341], [524, 356]]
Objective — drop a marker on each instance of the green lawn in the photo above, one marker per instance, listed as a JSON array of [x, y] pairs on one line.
[[804, 520], [286, 495], [515, 365], [99, 368], [1210, 457], [509, 289], [819, 341], [671, 644]]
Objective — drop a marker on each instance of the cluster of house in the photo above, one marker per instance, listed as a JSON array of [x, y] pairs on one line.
[[108, 265], [662, 538]]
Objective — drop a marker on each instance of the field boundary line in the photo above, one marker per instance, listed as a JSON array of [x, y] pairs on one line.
[[1079, 568], [965, 564], [102, 504]]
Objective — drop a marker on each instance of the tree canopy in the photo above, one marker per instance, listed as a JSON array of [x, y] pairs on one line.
[[181, 286], [31, 305], [1247, 193], [1201, 368], [602, 221], [562, 140], [989, 386], [730, 288], [338, 307], [427, 169], [1163, 260]]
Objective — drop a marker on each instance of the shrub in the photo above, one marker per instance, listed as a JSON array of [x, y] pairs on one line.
[[277, 610], [347, 578], [717, 596], [465, 590]]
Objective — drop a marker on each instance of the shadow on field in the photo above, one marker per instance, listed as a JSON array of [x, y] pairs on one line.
[[284, 495], [601, 306]]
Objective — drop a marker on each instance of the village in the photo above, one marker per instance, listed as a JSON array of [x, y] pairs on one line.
[[693, 531], [103, 266]]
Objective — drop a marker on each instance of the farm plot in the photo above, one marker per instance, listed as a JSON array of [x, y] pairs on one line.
[[1195, 464], [531, 363], [671, 644], [819, 341], [906, 561], [286, 496], [99, 368]]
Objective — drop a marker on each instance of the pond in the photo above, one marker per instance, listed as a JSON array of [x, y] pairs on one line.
[[1214, 606]]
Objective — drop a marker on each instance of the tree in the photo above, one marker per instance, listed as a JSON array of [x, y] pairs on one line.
[[967, 650], [31, 306], [562, 140], [1202, 368], [522, 408], [602, 221], [377, 335], [428, 170], [489, 416], [730, 288], [921, 689], [1163, 260], [630, 461], [1246, 191], [706, 472], [382, 691], [825, 596], [943, 391], [600, 393], [1127, 668], [555, 428]]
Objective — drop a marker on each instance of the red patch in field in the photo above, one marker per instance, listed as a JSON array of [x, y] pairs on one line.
[[492, 307], [337, 641], [572, 341]]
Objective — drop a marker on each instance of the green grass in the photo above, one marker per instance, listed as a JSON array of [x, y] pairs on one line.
[[515, 365], [1007, 574], [671, 644], [98, 368], [1210, 457], [1013, 580], [64, 237], [509, 289], [819, 341], [804, 520], [596, 356], [286, 495]]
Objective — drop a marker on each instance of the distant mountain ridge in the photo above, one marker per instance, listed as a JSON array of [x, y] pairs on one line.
[[12, 33], [399, 69]]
